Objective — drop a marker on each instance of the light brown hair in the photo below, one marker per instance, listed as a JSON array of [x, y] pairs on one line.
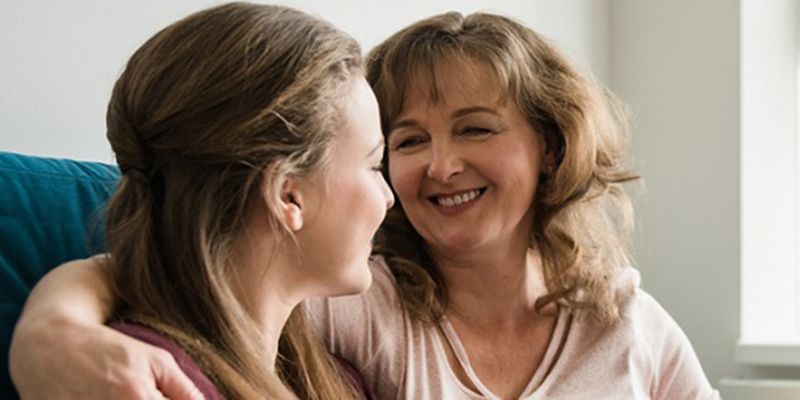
[[583, 217], [202, 110]]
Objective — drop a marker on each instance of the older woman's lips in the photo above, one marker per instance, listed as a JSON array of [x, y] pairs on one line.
[[455, 203]]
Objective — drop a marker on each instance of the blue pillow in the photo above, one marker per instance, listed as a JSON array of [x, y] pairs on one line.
[[49, 214]]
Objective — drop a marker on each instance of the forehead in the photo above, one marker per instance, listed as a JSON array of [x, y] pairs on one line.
[[453, 83], [360, 118]]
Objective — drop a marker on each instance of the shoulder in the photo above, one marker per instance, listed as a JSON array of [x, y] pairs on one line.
[[642, 334], [98, 262], [381, 295], [375, 312], [663, 349], [384, 283], [637, 308], [642, 309], [644, 322], [677, 372], [655, 328], [644, 315], [187, 364], [368, 329]]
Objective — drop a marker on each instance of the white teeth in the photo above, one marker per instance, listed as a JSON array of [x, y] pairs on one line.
[[458, 199]]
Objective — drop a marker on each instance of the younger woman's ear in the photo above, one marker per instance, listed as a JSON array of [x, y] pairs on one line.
[[282, 196], [291, 205]]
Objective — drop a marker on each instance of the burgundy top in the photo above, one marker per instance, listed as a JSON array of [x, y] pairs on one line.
[[195, 373], [186, 362]]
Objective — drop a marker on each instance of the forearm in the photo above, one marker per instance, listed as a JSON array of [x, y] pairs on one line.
[[64, 307], [62, 325]]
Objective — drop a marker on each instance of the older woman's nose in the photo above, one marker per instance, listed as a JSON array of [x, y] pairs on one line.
[[445, 163]]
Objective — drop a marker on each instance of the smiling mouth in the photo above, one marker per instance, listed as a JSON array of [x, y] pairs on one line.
[[457, 199]]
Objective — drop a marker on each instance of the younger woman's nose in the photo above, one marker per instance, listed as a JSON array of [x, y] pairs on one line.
[[387, 192]]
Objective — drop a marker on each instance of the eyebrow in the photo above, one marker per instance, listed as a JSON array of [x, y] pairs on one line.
[[455, 114], [471, 110]]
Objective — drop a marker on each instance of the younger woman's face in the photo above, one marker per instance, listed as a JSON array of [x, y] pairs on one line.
[[465, 167], [350, 202]]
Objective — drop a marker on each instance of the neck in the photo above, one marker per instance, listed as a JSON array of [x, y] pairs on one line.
[[266, 287], [494, 288]]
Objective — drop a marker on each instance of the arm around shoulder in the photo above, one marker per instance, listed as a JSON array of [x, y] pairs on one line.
[[62, 325]]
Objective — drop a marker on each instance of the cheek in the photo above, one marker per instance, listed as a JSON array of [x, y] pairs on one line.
[[404, 178], [524, 158], [365, 198]]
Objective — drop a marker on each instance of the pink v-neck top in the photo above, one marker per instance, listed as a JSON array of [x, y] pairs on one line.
[[644, 355]]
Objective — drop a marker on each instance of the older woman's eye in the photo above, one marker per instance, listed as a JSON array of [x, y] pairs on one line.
[[409, 142], [475, 131]]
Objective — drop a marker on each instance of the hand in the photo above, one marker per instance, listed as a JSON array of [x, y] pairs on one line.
[[58, 358]]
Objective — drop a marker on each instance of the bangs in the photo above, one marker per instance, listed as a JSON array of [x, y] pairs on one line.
[[432, 62]]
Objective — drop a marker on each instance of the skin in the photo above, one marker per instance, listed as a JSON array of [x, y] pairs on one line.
[[475, 138]]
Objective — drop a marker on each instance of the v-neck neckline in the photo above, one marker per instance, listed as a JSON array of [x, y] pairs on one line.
[[538, 377]]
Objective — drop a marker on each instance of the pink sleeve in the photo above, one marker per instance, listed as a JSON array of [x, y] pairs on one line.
[[366, 330], [677, 370]]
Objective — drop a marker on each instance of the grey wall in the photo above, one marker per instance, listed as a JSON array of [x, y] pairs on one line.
[[677, 64]]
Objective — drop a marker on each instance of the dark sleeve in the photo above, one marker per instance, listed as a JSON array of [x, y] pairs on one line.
[[185, 362], [354, 377]]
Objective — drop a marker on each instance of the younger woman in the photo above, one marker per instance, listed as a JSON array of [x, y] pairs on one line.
[[243, 133]]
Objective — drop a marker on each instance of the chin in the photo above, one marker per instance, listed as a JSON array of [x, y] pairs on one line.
[[364, 279], [459, 243], [355, 281]]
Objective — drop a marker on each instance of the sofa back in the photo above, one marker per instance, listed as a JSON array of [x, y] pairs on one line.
[[50, 212]]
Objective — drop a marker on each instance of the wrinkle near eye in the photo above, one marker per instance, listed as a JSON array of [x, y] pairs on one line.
[[406, 137]]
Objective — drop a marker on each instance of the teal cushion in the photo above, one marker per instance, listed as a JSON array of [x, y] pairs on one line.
[[49, 214]]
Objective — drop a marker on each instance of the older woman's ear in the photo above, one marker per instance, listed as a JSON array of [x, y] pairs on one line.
[[550, 154]]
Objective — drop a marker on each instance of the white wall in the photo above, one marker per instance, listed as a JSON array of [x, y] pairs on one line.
[[59, 59]]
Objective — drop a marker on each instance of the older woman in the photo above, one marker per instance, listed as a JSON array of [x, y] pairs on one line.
[[503, 270]]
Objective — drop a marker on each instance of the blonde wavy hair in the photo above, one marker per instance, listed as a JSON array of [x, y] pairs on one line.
[[583, 217], [202, 110]]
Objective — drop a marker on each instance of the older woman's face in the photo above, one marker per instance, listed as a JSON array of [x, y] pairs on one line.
[[465, 168]]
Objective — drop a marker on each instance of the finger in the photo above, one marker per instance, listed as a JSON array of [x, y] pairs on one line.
[[157, 395], [171, 380]]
